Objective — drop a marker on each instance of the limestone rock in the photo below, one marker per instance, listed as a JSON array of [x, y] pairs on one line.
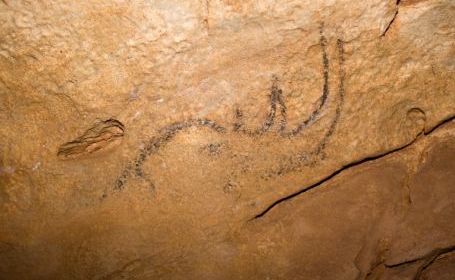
[[227, 139]]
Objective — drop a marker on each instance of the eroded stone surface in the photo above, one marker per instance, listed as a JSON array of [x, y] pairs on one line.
[[206, 139]]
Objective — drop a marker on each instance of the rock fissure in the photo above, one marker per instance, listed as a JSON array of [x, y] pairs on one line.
[[390, 24], [230, 139], [344, 168], [427, 259]]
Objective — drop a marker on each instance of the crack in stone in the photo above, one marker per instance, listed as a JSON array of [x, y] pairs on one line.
[[123, 271], [392, 20], [346, 167], [427, 259], [101, 136]]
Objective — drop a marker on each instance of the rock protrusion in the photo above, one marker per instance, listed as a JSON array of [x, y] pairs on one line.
[[103, 135]]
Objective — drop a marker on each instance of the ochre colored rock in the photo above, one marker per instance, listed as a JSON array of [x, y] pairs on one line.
[[227, 139]]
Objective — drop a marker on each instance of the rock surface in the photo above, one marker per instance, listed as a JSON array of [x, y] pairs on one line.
[[227, 139]]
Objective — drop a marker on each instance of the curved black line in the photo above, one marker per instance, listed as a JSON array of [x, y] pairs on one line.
[[321, 147], [342, 74], [276, 98], [325, 89], [166, 135], [310, 157]]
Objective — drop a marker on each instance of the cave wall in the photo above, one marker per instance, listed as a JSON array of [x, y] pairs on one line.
[[227, 139]]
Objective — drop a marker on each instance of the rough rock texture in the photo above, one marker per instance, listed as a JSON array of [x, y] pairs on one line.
[[227, 139]]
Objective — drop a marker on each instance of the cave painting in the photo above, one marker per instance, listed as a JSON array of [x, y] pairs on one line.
[[276, 116]]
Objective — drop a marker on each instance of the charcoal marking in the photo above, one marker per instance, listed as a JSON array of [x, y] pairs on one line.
[[212, 149], [166, 135], [341, 71], [310, 158], [275, 99]]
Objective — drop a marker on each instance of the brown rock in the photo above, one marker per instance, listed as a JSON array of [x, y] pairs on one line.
[[227, 139]]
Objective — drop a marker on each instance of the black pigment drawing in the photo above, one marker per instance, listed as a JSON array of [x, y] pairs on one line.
[[277, 109]]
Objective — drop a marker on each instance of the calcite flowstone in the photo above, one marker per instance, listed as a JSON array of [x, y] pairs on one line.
[[227, 139]]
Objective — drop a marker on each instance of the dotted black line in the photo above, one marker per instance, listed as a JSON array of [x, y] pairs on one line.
[[275, 99]]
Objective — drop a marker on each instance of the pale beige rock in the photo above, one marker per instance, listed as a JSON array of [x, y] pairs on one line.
[[226, 110]]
